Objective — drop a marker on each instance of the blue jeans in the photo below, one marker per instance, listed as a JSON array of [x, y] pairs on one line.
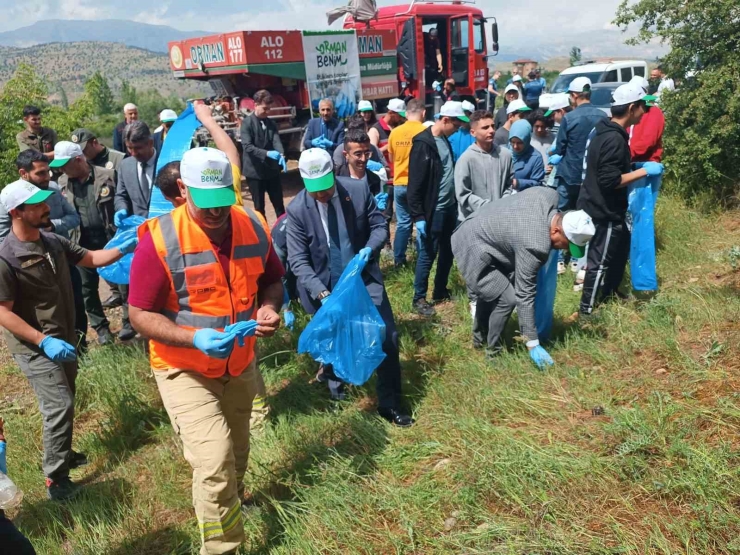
[[437, 241], [568, 198], [403, 224]]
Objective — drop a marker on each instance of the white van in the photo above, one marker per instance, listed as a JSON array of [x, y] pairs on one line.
[[600, 72]]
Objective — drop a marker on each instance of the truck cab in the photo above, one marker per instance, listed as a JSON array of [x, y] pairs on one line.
[[454, 29]]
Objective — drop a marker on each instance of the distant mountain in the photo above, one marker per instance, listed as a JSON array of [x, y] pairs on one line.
[[68, 65], [130, 33]]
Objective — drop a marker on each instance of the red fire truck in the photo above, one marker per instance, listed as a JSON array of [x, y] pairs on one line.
[[392, 52]]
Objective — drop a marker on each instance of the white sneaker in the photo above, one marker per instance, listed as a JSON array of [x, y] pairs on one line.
[[578, 287], [581, 276], [574, 266], [561, 267], [472, 309]]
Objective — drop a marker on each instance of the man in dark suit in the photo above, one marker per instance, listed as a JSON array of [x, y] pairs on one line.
[[263, 155], [328, 224], [326, 132], [499, 251], [130, 114], [133, 191]]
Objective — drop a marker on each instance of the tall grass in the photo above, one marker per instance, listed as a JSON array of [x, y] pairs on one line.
[[628, 445]]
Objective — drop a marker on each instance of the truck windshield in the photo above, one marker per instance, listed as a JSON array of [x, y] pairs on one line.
[[479, 41], [562, 82]]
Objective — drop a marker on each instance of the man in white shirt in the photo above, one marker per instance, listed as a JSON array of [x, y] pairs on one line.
[[666, 83]]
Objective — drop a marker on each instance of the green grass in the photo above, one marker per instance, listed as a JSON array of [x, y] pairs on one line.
[[503, 458]]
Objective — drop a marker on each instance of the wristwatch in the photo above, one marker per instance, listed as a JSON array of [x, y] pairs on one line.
[[323, 295]]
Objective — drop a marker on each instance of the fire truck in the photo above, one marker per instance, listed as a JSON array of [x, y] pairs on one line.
[[394, 62]]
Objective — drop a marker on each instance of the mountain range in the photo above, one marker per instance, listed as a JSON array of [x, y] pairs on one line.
[[130, 33], [542, 46]]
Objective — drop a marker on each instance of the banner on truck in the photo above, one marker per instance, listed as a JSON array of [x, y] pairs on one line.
[[333, 69]]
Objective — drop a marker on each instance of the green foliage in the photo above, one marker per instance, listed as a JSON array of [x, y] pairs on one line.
[[702, 137], [575, 55], [128, 93], [97, 88]]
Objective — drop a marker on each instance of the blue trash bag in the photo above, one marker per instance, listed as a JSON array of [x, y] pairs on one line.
[[347, 331], [643, 196], [544, 300], [119, 271]]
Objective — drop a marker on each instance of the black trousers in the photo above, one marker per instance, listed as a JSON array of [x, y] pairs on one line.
[[388, 212], [388, 387], [94, 308], [274, 188], [12, 542], [80, 314], [608, 253]]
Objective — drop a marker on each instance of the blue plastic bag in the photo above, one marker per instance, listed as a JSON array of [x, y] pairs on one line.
[[544, 300], [347, 331], [119, 271], [176, 143], [643, 196]]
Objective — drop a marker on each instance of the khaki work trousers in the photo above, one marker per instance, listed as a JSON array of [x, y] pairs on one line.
[[211, 416]]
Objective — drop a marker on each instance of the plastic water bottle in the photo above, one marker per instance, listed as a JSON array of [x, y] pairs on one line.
[[10, 495]]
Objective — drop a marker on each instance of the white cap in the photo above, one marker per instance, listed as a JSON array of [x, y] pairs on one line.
[[579, 85], [559, 101], [397, 105], [511, 88], [167, 115], [468, 106], [640, 80], [453, 109], [517, 105], [208, 175], [22, 192], [629, 93], [316, 169], [579, 229], [364, 106], [516, 78], [64, 151]]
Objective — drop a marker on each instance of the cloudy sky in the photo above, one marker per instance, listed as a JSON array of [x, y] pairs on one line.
[[514, 16]]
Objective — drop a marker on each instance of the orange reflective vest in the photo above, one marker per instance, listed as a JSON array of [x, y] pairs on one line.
[[200, 296]]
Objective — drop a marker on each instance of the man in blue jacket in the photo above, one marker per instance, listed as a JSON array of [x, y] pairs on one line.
[[571, 145], [328, 224], [326, 132]]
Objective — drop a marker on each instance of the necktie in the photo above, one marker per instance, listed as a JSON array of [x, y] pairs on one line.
[[335, 248], [144, 179]]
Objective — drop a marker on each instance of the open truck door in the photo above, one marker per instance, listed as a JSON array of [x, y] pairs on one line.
[[407, 51], [460, 39]]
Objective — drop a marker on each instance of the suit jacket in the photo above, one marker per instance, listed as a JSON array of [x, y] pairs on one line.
[[508, 238], [118, 138], [130, 195], [308, 251], [256, 142], [334, 132]]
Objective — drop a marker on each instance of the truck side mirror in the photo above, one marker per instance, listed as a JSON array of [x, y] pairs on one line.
[[494, 36]]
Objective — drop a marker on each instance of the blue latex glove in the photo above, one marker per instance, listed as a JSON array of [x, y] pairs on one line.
[[289, 319], [119, 216], [273, 155], [438, 88], [421, 229], [58, 350], [129, 246], [541, 357], [653, 169], [374, 166], [283, 164], [326, 144], [365, 254], [214, 343], [381, 199], [242, 330], [551, 150], [318, 142], [555, 159]]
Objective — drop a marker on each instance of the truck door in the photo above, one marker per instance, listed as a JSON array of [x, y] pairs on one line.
[[460, 50]]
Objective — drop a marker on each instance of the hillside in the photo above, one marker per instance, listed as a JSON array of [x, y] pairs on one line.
[[130, 33], [67, 65]]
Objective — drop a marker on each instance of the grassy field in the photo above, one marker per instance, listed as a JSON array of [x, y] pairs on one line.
[[629, 445]]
